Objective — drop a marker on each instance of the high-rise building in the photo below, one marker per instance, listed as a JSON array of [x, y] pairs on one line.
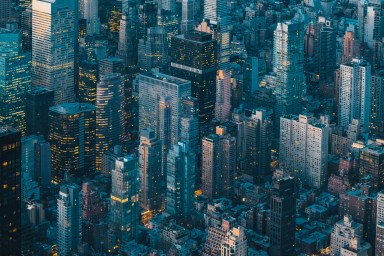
[[235, 243], [343, 232], [89, 10], [88, 77], [110, 65], [15, 79], [109, 158], [38, 102], [354, 93], [153, 52], [376, 123], [54, 32], [201, 70], [380, 224], [250, 76], [372, 163], [325, 50], [26, 27], [127, 46], [69, 207], [110, 119], [92, 204], [181, 171], [154, 88], [10, 196], [150, 163], [125, 198], [147, 17], [258, 143], [218, 164], [304, 149], [42, 165], [351, 47], [5, 12], [72, 137], [223, 96], [288, 65], [187, 16], [214, 10], [282, 223]]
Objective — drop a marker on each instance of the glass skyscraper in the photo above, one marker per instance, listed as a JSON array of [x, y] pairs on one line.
[[54, 30], [15, 79], [72, 138]]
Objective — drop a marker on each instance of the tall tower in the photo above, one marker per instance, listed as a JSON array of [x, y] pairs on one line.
[[72, 137], [89, 10], [125, 198], [354, 93], [304, 149], [283, 210], [150, 164], [153, 51], [15, 79], [351, 47], [38, 102], [88, 77], [181, 164], [54, 32], [376, 121], [380, 224], [5, 12], [154, 88], [110, 106], [223, 96], [187, 16], [10, 196], [69, 207], [201, 71], [288, 64], [127, 46]]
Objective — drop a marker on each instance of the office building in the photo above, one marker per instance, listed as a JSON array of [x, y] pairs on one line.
[[38, 102], [110, 65], [223, 96], [26, 27], [109, 158], [218, 164], [372, 163], [5, 12], [379, 243], [235, 243], [376, 122], [10, 196], [343, 233], [54, 32], [72, 138], [250, 76], [15, 79], [181, 171], [351, 47], [147, 17], [187, 16], [288, 65], [282, 223], [110, 119], [88, 77], [151, 177], [89, 10], [154, 88], [153, 51], [258, 143], [127, 46], [354, 93], [325, 50], [200, 71], [125, 198], [69, 208], [304, 149]]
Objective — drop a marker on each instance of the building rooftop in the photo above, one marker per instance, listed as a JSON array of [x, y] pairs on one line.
[[165, 78], [72, 108]]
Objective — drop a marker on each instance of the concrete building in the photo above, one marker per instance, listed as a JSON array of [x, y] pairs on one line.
[[223, 96], [235, 243]]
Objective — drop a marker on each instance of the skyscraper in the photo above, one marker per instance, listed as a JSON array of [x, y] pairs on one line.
[[351, 47], [181, 171], [10, 196], [110, 119], [150, 163], [5, 12], [380, 224], [147, 17], [69, 207], [125, 198], [288, 64], [154, 88], [258, 143], [187, 16], [354, 93], [376, 122], [372, 164], [15, 79], [282, 224], [304, 149], [88, 77], [54, 32], [153, 52], [223, 96], [127, 46], [89, 10], [38, 102], [72, 137], [218, 164], [193, 57]]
